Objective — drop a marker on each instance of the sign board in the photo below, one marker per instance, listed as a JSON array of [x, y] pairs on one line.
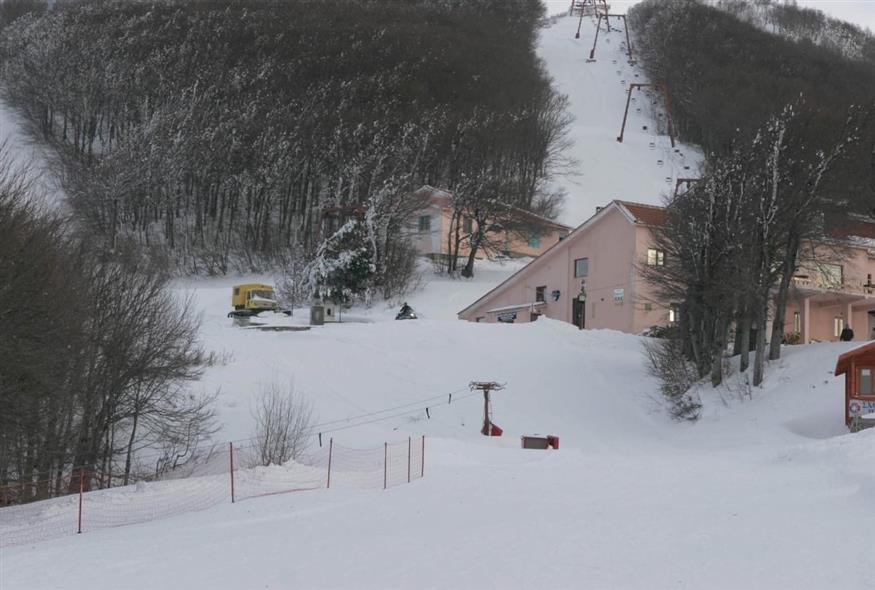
[[619, 294], [555, 295], [860, 407], [507, 317]]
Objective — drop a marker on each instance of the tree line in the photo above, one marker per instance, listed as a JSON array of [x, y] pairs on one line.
[[214, 135], [788, 133], [96, 357]]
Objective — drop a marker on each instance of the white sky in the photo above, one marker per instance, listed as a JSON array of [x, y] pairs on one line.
[[859, 12]]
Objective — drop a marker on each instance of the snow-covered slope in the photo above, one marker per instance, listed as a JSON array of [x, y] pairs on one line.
[[765, 492], [642, 168]]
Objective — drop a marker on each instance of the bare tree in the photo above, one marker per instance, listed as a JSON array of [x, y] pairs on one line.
[[282, 425]]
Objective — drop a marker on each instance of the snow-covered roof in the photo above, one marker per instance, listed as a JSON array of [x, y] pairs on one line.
[[518, 306]]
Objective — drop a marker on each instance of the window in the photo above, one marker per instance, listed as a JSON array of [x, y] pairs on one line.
[[830, 276], [838, 324], [540, 294], [562, 235], [648, 307], [581, 267], [797, 322], [424, 223], [864, 386], [655, 257], [534, 239], [467, 225], [673, 313]]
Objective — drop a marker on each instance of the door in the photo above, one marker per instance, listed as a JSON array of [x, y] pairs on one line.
[[578, 315]]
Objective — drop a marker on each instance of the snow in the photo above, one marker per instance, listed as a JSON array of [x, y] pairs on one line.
[[607, 169], [766, 490]]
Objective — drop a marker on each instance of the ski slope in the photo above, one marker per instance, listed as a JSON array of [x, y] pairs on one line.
[[768, 492], [644, 167]]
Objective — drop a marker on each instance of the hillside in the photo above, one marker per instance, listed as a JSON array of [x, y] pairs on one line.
[[767, 492], [644, 168]]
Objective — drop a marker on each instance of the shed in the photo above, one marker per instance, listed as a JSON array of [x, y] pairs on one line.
[[858, 367]]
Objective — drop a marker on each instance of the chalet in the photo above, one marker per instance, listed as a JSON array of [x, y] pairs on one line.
[[430, 230], [593, 279]]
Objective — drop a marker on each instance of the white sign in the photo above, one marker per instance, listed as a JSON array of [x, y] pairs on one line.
[[859, 407], [618, 295]]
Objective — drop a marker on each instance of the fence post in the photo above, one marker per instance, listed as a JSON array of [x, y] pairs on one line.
[[81, 490], [231, 456], [385, 465], [330, 452], [422, 463], [409, 448]]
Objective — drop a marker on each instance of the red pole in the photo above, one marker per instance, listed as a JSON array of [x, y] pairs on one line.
[[409, 448], [385, 465], [423, 457], [330, 452], [231, 456], [81, 490]]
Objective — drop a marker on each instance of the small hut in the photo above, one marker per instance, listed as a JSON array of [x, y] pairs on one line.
[[858, 367]]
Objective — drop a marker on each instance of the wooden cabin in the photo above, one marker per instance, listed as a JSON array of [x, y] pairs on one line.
[[858, 367]]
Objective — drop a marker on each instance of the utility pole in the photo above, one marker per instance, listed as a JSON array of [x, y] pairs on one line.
[[486, 387]]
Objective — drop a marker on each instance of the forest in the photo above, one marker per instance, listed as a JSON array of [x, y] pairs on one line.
[[214, 135], [788, 130]]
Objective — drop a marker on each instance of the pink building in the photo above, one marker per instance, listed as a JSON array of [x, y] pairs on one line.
[[589, 279], [432, 227], [592, 279]]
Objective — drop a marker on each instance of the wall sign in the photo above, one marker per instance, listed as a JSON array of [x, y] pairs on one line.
[[507, 317], [619, 294], [860, 407], [555, 294]]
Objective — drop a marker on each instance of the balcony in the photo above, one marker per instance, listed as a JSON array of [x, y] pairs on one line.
[[849, 287]]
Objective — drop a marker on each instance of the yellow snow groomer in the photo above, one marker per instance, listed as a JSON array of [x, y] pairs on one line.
[[252, 299]]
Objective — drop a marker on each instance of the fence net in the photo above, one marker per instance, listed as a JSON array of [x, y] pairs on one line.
[[213, 482]]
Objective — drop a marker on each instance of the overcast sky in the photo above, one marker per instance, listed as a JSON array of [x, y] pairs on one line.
[[859, 12]]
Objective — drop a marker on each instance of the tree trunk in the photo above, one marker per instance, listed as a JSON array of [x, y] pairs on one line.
[[778, 324], [744, 339], [130, 447], [759, 359]]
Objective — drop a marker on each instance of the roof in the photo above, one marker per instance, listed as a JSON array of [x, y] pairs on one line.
[[652, 215], [845, 359], [444, 199], [850, 226]]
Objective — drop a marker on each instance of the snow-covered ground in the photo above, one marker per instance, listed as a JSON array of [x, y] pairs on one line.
[[642, 168], [768, 492]]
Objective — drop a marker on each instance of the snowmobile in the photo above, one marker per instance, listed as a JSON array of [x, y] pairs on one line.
[[406, 313]]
